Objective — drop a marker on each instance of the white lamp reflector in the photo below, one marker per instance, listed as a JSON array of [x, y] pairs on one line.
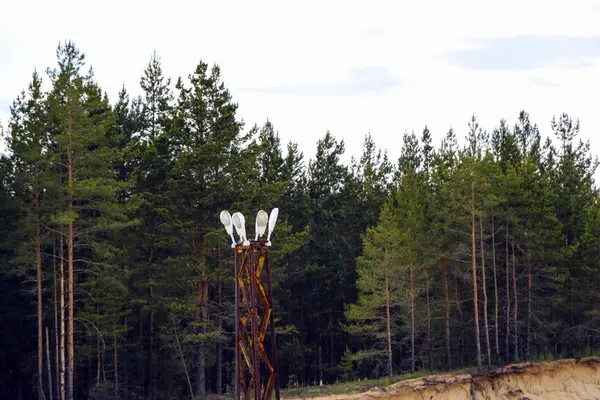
[[228, 224], [239, 222], [262, 219], [272, 221]]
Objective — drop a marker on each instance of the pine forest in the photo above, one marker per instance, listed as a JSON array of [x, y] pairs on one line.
[[116, 275]]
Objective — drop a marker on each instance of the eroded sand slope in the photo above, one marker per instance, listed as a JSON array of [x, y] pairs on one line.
[[565, 379]]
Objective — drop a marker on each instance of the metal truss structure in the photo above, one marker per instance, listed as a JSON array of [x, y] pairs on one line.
[[255, 366]]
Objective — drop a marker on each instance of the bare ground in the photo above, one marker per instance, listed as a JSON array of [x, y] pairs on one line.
[[572, 379]]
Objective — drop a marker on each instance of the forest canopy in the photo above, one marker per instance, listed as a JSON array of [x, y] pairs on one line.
[[116, 276]]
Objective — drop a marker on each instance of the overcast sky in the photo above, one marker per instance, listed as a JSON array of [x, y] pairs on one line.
[[383, 67]]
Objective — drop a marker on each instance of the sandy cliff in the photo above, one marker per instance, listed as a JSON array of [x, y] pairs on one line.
[[565, 379]]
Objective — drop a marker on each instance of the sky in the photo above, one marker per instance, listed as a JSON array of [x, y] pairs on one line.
[[353, 68]]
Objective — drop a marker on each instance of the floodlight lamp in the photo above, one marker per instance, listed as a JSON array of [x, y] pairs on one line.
[[226, 221], [262, 219], [239, 223], [272, 221], [228, 224]]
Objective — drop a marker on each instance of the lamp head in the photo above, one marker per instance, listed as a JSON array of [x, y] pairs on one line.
[[262, 219], [239, 222], [226, 221], [272, 221]]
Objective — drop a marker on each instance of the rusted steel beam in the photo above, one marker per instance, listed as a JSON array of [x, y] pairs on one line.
[[254, 317]]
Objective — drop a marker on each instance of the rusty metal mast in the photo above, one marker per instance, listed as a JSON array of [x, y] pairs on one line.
[[256, 375]]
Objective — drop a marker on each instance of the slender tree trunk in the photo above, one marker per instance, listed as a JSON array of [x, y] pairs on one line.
[[63, 332], [320, 361], [56, 331], [116, 355], [201, 368], [200, 377], [507, 338], [570, 339], [529, 307], [332, 362], [204, 302], [219, 347], [220, 321], [201, 314], [98, 353], [412, 315], [125, 364], [496, 304], [447, 309], [459, 308], [38, 265], [71, 287], [388, 325], [150, 334], [485, 299], [183, 363], [515, 303], [49, 365], [474, 275], [429, 358]]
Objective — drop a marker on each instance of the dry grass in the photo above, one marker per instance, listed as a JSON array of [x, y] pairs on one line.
[[348, 388]]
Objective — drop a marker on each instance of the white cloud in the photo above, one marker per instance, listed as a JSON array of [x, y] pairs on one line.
[[312, 45]]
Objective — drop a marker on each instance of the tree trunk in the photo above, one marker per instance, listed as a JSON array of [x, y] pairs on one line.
[[388, 326], [116, 355], [570, 339], [71, 287], [183, 363], [150, 335], [485, 299], [447, 309], [496, 304], [98, 353], [200, 371], [38, 266], [125, 364], [515, 314], [219, 347], [62, 385], [529, 307], [56, 331], [429, 358], [332, 363], [48, 365], [141, 369], [507, 338], [474, 275], [459, 308], [320, 361], [412, 315], [201, 314]]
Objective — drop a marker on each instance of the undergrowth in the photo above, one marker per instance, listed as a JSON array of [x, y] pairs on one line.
[[346, 387]]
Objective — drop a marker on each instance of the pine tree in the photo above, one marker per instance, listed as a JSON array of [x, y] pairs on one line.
[[573, 195], [80, 119], [411, 216], [443, 164], [327, 235], [149, 157], [28, 145], [380, 273], [211, 169]]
